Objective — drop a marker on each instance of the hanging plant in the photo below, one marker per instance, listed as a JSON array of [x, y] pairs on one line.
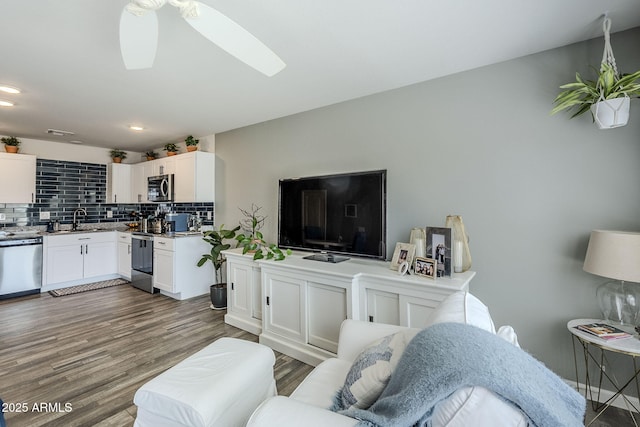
[[607, 97]]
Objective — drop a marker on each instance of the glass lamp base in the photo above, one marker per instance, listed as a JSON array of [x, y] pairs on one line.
[[619, 302]]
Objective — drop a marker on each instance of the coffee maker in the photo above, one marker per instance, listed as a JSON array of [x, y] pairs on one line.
[[178, 222]]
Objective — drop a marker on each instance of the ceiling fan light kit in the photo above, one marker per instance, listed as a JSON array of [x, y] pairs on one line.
[[139, 35]]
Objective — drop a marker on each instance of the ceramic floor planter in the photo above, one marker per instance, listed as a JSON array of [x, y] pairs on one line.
[[218, 295], [611, 113]]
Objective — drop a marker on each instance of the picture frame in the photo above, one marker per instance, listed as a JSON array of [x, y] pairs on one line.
[[439, 248], [425, 267], [404, 252]]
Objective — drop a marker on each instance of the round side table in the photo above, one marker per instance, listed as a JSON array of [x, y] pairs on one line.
[[595, 349]]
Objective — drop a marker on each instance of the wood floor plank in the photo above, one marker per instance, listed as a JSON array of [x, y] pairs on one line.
[[95, 349]]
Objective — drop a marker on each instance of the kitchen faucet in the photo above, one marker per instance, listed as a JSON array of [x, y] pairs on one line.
[[76, 212]]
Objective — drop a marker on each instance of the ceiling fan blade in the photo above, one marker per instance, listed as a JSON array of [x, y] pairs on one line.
[[138, 39], [234, 39]]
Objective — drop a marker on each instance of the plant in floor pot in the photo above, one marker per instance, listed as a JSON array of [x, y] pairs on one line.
[[253, 241], [217, 238], [192, 143], [118, 155], [11, 144], [171, 149]]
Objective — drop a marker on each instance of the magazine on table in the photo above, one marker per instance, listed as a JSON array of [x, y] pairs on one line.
[[604, 331]]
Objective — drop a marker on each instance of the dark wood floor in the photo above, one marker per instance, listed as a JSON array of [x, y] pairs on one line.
[[93, 350]]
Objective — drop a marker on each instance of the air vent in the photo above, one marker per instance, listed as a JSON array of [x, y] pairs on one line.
[[57, 132]]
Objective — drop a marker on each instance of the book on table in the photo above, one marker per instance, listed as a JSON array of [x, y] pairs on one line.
[[604, 331]]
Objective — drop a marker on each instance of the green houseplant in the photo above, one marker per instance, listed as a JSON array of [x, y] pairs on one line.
[[118, 155], [151, 155], [252, 240], [217, 239], [170, 148], [192, 143], [11, 144]]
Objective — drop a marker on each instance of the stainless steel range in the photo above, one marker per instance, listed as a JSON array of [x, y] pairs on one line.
[[20, 264], [142, 262]]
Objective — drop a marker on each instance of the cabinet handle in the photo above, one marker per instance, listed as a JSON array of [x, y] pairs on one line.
[[32, 198], [232, 286], [86, 249], [162, 243], [115, 198], [370, 318], [81, 250], [268, 301], [128, 249]]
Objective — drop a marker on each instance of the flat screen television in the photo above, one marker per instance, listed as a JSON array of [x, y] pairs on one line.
[[341, 214]]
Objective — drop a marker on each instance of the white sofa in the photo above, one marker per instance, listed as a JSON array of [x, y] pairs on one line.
[[308, 404]]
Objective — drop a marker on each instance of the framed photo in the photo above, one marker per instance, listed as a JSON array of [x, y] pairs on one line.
[[439, 248], [404, 253], [425, 267]]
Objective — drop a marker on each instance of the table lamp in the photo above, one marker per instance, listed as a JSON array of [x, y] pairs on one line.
[[616, 255]]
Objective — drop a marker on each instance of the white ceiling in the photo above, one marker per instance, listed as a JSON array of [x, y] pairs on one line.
[[65, 56]]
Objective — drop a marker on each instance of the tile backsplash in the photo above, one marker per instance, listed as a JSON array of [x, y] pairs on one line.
[[62, 187]]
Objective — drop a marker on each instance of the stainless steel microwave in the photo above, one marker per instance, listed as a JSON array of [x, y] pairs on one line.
[[160, 188]]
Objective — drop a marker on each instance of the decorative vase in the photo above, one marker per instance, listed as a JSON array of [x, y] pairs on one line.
[[192, 147], [117, 160], [419, 239], [11, 148], [460, 252], [218, 295], [171, 153], [611, 113]]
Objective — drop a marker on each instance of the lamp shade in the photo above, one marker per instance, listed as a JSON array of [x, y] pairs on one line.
[[614, 254]]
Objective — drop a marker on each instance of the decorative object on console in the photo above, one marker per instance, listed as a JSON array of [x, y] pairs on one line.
[[118, 155], [404, 252], [171, 149], [439, 248], [253, 241], [461, 253], [607, 97], [615, 255], [192, 143], [11, 144], [425, 267], [151, 155], [419, 238], [216, 238]]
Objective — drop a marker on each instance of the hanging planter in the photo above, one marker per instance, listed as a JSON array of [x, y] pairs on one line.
[[608, 97]]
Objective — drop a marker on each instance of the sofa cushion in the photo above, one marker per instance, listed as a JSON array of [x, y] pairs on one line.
[[370, 372], [321, 385], [462, 307]]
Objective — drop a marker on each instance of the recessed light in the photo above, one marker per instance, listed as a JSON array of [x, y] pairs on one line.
[[57, 132], [4, 103], [136, 128], [9, 89]]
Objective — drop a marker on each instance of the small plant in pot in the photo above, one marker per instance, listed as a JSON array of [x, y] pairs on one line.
[[253, 241], [192, 143], [151, 155], [171, 149], [118, 155], [217, 238], [11, 144]]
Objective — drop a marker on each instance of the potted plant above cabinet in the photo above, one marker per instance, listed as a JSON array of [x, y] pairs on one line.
[[216, 238], [192, 143], [118, 155], [151, 155], [11, 144], [171, 149]]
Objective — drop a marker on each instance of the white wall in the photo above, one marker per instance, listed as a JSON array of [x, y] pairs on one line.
[[71, 152], [480, 144]]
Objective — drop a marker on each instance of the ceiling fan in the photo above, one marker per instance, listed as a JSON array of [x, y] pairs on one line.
[[139, 35]]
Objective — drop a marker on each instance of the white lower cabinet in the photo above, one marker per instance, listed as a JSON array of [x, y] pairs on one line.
[[244, 293], [72, 259], [124, 255], [284, 306], [327, 308], [382, 307]]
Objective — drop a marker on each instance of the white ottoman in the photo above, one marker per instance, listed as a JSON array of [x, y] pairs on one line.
[[221, 385]]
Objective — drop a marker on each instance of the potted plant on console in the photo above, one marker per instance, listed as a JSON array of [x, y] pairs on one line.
[[216, 238], [192, 143], [253, 241], [118, 155], [11, 144], [171, 149]]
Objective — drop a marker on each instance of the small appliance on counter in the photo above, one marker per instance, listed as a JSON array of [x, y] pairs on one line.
[[178, 222]]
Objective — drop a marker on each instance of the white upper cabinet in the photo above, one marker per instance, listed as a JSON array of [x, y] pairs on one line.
[[119, 184], [194, 177], [18, 170]]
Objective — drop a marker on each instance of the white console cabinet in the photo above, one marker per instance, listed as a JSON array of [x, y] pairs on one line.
[[304, 301]]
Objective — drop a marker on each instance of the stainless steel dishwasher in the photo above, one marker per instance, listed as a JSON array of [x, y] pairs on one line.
[[20, 265]]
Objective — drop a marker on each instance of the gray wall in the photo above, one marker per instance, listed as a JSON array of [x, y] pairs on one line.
[[529, 186]]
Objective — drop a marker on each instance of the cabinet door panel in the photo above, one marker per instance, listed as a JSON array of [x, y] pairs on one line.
[[383, 307], [20, 171], [240, 295], [100, 258], [256, 297], [163, 269], [65, 263], [285, 307], [124, 259], [414, 312], [327, 308]]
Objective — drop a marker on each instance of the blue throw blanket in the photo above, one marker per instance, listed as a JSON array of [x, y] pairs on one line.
[[448, 356]]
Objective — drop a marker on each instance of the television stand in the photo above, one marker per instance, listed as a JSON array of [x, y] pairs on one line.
[[325, 257]]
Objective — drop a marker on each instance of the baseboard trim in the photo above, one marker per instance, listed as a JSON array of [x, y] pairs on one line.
[[618, 402]]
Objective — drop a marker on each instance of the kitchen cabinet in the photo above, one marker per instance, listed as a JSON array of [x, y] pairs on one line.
[[76, 258], [139, 174], [124, 255], [163, 166], [244, 292], [175, 269], [20, 171], [119, 183], [194, 177]]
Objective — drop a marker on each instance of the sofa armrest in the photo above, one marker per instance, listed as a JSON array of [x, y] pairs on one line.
[[283, 411], [357, 334]]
